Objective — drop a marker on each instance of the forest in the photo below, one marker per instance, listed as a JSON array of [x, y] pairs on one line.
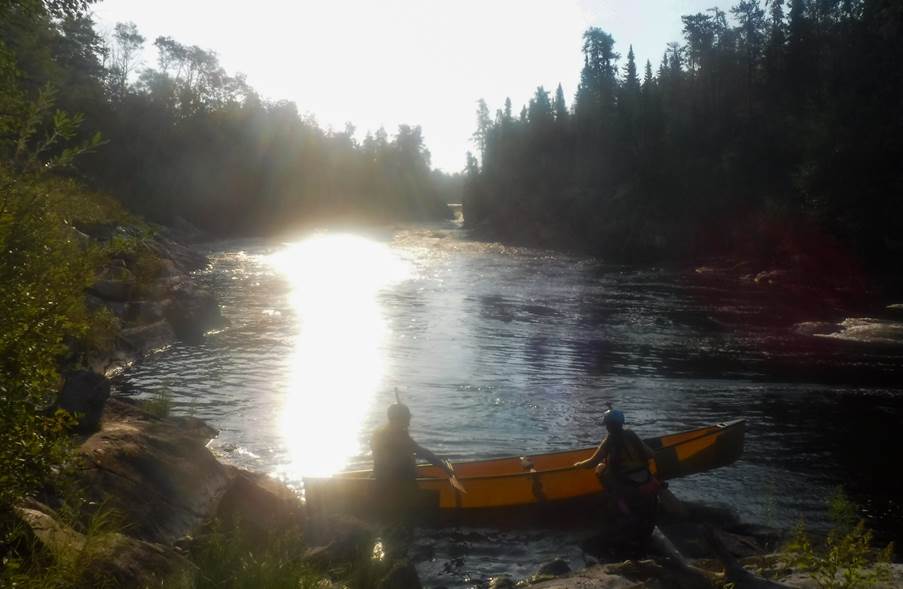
[[185, 138], [769, 131]]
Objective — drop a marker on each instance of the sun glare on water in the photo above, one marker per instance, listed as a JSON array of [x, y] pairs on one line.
[[338, 363]]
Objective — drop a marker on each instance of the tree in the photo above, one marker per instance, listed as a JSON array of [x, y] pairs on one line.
[[631, 80], [481, 135], [561, 109], [124, 57], [648, 78], [598, 79], [539, 112]]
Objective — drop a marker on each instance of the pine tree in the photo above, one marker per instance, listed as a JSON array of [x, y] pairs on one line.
[[631, 80], [561, 109]]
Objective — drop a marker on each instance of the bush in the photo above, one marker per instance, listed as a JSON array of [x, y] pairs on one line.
[[847, 560], [44, 270], [232, 557], [159, 404]]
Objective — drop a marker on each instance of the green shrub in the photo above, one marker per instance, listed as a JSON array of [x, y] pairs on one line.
[[159, 404], [236, 558], [72, 561], [847, 560]]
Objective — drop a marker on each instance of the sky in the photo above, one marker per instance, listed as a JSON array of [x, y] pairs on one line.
[[420, 62]]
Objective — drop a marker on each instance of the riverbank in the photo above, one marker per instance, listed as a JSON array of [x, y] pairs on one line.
[[179, 512]]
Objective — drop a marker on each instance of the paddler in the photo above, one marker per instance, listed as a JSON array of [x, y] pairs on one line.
[[622, 461], [395, 464]]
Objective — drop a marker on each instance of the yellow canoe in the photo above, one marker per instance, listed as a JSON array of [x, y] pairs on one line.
[[518, 482]]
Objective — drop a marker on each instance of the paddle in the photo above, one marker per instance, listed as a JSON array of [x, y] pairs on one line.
[[453, 479]]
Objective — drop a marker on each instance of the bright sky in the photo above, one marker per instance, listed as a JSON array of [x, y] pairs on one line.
[[421, 62]]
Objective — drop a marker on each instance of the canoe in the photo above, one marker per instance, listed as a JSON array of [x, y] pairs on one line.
[[519, 482]]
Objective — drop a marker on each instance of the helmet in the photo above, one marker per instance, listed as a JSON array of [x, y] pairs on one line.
[[399, 412], [613, 417]]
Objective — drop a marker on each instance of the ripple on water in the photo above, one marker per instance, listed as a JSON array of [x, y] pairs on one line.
[[505, 351]]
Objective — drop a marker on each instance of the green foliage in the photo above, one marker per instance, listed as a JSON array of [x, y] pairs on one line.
[[847, 560], [69, 559], [753, 117], [44, 269], [235, 557], [159, 404]]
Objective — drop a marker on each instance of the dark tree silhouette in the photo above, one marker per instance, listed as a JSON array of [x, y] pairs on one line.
[[787, 116]]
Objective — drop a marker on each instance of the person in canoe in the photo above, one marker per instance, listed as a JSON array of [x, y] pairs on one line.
[[622, 463], [395, 464]]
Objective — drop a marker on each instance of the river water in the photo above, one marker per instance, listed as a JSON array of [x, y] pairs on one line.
[[504, 351]]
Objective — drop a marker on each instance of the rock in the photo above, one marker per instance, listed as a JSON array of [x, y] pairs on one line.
[[84, 395], [145, 339], [402, 575], [503, 582], [97, 231], [594, 577], [349, 548], [59, 539], [185, 258], [182, 230], [117, 270], [259, 505], [554, 568], [192, 313], [135, 563], [816, 328], [112, 290], [157, 473], [144, 312], [106, 557]]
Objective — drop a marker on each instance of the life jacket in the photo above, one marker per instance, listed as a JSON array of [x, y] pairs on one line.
[[393, 455], [627, 456]]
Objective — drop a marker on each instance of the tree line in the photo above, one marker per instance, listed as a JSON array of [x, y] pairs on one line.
[[184, 138], [775, 120]]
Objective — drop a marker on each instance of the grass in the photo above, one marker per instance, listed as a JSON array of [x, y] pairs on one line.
[[69, 559], [159, 404], [238, 558], [847, 560]]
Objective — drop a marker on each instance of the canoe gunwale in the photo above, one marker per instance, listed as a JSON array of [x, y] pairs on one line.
[[702, 432]]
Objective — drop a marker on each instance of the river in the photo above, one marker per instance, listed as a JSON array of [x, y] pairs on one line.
[[504, 351]]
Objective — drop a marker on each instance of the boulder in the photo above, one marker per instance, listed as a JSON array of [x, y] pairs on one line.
[[105, 558], [337, 539], [84, 395], [192, 313], [259, 505], [144, 339], [401, 575], [157, 473], [185, 258], [502, 582], [144, 312], [112, 290], [554, 568]]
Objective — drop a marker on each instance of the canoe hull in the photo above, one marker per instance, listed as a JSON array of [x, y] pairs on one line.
[[504, 486]]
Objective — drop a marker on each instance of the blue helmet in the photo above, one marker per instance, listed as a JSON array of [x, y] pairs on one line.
[[614, 417]]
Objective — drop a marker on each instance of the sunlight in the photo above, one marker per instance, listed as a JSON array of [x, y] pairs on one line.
[[338, 363]]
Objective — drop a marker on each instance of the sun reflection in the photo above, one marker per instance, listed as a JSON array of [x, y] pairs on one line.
[[338, 362]]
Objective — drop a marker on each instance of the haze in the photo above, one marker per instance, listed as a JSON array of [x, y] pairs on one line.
[[405, 61]]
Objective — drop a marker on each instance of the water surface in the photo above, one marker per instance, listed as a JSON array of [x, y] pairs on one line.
[[505, 351]]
